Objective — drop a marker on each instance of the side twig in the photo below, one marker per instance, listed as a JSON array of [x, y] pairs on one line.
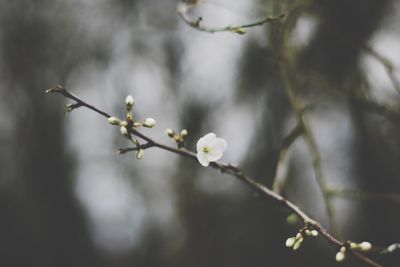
[[183, 9], [282, 165]]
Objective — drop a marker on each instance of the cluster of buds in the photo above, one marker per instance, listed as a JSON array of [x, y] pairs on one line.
[[363, 246], [341, 255], [179, 138], [130, 123], [296, 241]]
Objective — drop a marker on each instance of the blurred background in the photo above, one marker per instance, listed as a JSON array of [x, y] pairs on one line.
[[67, 198]]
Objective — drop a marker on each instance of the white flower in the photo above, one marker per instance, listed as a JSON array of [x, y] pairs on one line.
[[210, 148]]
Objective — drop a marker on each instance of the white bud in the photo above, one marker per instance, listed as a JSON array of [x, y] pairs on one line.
[[124, 131], [123, 124], [298, 243], [290, 242], [343, 249], [149, 123], [113, 121], [365, 246], [140, 154], [184, 133], [340, 256], [314, 233], [353, 245], [129, 101], [393, 247], [170, 132], [307, 232]]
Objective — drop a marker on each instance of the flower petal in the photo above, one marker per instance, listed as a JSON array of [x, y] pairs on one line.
[[201, 156], [209, 137], [219, 144], [205, 140], [214, 155]]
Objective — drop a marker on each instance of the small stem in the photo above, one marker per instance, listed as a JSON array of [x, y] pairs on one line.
[[183, 8], [282, 165]]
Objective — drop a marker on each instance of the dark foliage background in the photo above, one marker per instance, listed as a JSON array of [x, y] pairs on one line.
[[66, 198]]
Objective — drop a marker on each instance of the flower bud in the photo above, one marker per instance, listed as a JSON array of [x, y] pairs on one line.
[[239, 30], [129, 102], [140, 154], [290, 242], [124, 131], [149, 123], [340, 256], [113, 121], [393, 247], [298, 243], [123, 124], [170, 132], [365, 246], [314, 233], [184, 133]]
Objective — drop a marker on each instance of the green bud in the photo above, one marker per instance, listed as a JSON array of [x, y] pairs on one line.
[[184, 133], [140, 154], [170, 132]]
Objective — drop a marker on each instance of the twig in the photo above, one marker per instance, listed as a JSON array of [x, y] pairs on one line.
[[281, 167], [361, 194], [297, 105], [387, 64], [183, 8], [232, 170]]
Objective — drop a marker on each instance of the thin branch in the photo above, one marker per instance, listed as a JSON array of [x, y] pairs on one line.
[[361, 194], [385, 111], [282, 165], [79, 103], [183, 9], [387, 64], [234, 171], [297, 105]]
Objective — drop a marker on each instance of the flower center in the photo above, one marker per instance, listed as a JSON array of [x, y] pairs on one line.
[[206, 149]]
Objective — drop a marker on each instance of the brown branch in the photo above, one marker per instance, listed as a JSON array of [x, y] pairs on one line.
[[232, 170], [183, 9]]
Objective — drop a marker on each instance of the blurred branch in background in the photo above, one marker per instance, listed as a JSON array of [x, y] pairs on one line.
[[184, 7]]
